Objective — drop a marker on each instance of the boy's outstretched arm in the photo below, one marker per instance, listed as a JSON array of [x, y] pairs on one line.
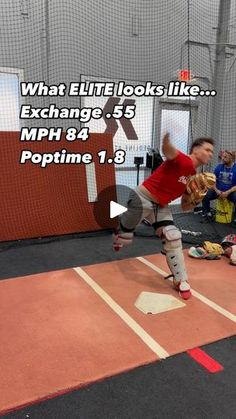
[[168, 149]]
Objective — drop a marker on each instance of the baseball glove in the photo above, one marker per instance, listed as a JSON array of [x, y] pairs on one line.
[[213, 248], [198, 185]]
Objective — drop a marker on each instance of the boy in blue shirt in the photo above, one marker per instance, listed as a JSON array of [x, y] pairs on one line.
[[225, 184]]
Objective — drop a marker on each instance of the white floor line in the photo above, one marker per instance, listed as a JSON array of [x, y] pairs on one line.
[[196, 294], [146, 338]]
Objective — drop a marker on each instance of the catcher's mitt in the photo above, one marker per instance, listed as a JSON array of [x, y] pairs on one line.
[[198, 185], [213, 248]]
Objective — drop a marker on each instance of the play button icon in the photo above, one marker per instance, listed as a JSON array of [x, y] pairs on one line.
[[116, 209], [114, 201]]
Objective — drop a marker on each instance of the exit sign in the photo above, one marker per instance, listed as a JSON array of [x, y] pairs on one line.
[[185, 75]]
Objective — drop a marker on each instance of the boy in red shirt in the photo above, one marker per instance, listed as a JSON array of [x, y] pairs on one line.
[[150, 201]]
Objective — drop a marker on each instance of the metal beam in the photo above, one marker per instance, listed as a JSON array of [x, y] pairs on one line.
[[219, 71]]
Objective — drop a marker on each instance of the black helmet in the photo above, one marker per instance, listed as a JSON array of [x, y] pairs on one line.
[[229, 240]]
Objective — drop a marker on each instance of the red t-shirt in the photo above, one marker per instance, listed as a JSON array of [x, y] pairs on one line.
[[168, 181]]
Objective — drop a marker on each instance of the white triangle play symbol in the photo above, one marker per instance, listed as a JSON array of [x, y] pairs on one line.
[[116, 209]]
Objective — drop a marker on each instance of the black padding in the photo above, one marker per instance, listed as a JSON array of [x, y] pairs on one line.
[[126, 230], [163, 223]]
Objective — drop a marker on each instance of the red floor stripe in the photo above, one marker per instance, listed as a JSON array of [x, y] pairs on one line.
[[205, 360]]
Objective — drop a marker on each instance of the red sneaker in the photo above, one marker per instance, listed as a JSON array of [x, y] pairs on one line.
[[116, 242], [184, 289], [117, 247]]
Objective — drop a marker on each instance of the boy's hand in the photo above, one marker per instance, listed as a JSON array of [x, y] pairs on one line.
[[168, 149]]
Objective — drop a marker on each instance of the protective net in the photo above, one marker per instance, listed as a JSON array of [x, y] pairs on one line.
[[132, 45]]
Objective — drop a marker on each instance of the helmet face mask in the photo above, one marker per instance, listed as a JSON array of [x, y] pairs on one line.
[[229, 240]]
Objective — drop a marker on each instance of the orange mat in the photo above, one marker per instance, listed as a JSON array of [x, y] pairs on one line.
[[58, 333]]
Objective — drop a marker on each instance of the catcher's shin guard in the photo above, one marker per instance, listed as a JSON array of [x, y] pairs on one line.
[[171, 239]]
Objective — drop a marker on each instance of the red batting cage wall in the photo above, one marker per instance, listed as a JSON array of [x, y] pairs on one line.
[[50, 201]]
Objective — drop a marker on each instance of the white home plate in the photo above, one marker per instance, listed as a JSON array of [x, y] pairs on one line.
[[154, 303]]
